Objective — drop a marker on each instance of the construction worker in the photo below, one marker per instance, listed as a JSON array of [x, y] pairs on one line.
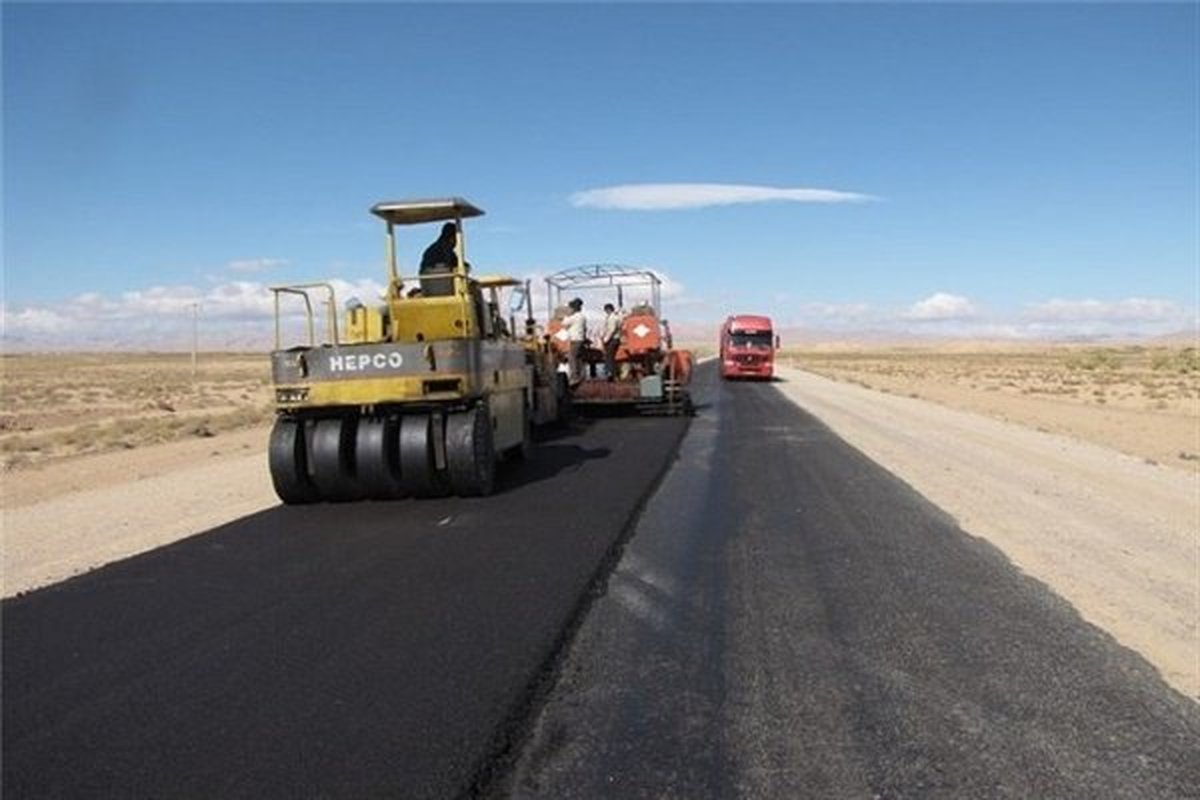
[[610, 339], [575, 324], [440, 258]]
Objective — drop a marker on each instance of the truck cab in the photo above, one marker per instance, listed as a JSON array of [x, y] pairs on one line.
[[748, 345]]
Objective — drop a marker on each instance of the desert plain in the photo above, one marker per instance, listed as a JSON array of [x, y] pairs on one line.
[[1142, 400], [59, 406], [1080, 462]]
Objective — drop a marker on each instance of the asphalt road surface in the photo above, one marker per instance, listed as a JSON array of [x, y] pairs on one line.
[[361, 650], [791, 621], [787, 620]]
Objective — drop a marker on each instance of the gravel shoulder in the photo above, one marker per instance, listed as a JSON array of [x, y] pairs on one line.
[[1115, 536]]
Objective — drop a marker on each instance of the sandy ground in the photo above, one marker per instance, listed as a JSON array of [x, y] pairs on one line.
[[1143, 401], [1112, 533], [65, 518], [1116, 536], [56, 406]]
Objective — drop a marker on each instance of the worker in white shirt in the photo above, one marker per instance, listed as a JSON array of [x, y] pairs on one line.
[[575, 324], [610, 338]]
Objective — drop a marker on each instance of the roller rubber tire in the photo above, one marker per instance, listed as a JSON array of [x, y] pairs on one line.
[[332, 459], [418, 475], [288, 464], [470, 452], [524, 450], [377, 458]]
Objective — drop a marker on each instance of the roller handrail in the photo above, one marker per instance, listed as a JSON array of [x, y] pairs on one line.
[[302, 290]]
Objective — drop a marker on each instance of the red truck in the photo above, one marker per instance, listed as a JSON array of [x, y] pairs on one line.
[[748, 345]]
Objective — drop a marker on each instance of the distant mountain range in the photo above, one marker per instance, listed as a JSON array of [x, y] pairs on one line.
[[686, 334]]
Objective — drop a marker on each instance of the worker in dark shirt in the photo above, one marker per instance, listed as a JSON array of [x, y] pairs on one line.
[[440, 258]]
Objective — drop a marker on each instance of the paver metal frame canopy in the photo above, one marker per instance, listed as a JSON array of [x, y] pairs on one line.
[[602, 276]]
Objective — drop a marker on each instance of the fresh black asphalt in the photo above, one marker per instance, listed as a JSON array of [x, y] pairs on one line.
[[354, 650], [789, 620]]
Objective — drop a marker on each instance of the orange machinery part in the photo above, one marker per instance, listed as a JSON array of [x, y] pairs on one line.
[[559, 343], [680, 363], [640, 334]]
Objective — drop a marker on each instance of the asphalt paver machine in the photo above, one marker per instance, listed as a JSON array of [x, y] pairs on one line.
[[418, 395], [650, 375]]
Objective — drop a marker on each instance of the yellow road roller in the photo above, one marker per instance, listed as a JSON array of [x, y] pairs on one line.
[[419, 395]]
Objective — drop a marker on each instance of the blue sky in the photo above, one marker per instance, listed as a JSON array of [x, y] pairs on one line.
[[1006, 169]]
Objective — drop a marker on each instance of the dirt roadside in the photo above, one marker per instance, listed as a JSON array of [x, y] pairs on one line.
[[65, 518], [1117, 537], [1139, 400]]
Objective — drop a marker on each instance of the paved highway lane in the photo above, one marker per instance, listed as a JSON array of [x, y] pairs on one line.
[[789, 620], [364, 650]]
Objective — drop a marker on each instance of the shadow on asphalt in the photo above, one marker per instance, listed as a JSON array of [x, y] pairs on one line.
[[561, 430], [548, 461]]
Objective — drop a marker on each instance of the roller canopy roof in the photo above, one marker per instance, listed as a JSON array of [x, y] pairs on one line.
[[498, 281], [594, 276], [412, 212]]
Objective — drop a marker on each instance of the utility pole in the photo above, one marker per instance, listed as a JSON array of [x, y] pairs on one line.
[[195, 337]]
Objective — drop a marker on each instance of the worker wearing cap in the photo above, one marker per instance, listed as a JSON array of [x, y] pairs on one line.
[[575, 324]]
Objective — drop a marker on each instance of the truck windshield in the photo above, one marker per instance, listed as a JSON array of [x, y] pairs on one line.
[[757, 339]]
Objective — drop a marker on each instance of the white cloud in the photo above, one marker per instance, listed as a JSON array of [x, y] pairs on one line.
[[249, 265], [161, 316], [1131, 309], [1136, 316], [835, 311], [670, 196], [240, 314], [157, 301], [35, 321], [941, 306]]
